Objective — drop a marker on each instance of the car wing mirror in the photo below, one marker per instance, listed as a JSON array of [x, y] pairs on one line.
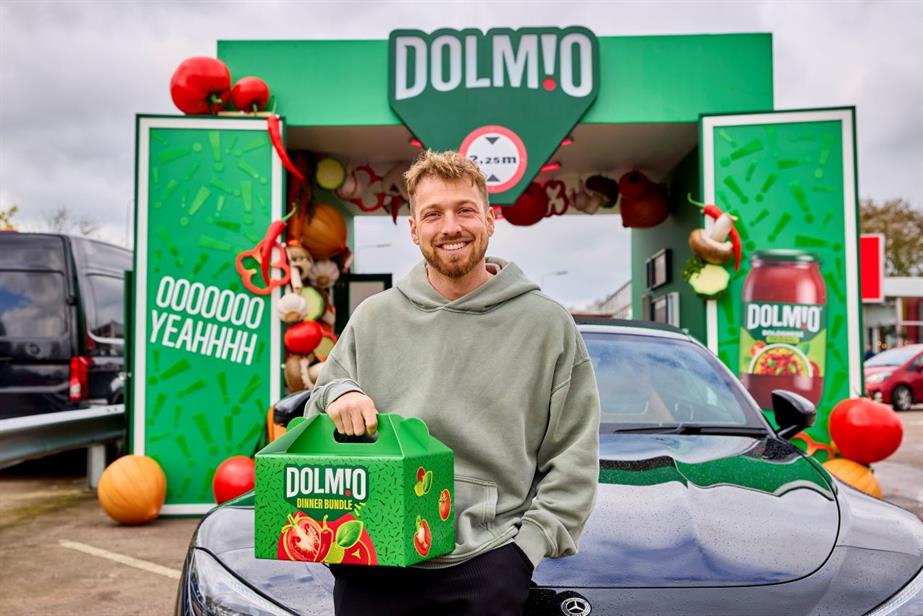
[[290, 407], [793, 413]]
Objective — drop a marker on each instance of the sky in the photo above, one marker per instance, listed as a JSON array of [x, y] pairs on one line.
[[74, 74]]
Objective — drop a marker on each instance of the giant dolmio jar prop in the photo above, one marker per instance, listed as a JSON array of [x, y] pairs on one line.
[[783, 326]]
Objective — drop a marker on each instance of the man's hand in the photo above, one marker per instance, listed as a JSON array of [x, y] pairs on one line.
[[354, 413]]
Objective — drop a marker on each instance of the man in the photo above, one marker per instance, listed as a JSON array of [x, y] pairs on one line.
[[500, 374]]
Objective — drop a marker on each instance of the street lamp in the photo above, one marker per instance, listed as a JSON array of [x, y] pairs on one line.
[[547, 274]]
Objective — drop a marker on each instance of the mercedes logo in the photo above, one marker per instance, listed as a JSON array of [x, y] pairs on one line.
[[575, 606]]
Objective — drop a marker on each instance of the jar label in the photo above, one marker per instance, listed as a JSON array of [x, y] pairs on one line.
[[783, 339]]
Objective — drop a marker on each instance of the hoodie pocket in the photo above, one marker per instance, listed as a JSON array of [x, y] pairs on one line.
[[475, 508]]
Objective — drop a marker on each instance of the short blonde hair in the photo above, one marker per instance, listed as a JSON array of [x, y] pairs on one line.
[[448, 165]]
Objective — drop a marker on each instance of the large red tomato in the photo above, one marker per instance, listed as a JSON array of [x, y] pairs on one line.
[[232, 478], [250, 94], [304, 337], [865, 431], [529, 208], [201, 85], [302, 539]]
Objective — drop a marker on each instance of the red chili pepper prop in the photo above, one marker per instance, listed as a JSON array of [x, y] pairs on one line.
[[201, 85], [246, 275], [269, 242], [275, 136], [714, 212]]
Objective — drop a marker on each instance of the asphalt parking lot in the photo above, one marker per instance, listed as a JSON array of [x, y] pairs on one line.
[[60, 554]]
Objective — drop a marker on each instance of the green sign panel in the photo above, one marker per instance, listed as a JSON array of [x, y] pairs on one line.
[[205, 350], [790, 318], [505, 99]]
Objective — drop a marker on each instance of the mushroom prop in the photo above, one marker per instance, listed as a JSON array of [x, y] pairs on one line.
[[711, 245], [297, 372], [602, 189], [301, 261]]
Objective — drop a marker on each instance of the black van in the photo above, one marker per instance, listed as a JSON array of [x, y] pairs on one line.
[[62, 334]]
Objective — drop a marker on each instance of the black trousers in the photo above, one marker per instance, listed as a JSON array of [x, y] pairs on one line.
[[493, 584]]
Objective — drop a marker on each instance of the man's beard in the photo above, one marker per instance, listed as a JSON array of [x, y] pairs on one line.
[[455, 268]]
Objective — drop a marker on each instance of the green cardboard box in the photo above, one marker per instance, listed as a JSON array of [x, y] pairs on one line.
[[388, 502]]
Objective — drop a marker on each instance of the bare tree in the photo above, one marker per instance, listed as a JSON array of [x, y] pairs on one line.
[[62, 220], [902, 225]]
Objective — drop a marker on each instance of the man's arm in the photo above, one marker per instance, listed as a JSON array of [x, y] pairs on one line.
[[338, 393], [568, 464]]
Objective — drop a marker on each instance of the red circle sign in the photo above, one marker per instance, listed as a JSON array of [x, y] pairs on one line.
[[500, 154]]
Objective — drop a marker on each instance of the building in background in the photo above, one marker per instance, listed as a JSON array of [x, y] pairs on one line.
[[897, 319]]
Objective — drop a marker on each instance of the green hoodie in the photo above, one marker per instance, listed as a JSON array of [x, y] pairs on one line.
[[500, 375]]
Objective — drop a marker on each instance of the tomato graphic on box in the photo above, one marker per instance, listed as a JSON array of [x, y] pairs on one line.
[[345, 541]]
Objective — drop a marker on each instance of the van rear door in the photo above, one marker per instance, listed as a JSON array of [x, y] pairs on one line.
[[37, 324]]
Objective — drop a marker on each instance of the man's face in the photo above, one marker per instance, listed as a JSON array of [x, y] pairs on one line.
[[451, 224]]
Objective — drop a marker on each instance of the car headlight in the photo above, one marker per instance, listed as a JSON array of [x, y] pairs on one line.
[[907, 602], [878, 378], [214, 591]]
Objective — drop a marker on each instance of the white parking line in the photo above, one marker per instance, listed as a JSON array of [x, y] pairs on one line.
[[121, 558]]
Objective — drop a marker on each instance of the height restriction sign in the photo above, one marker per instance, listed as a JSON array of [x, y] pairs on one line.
[[500, 154]]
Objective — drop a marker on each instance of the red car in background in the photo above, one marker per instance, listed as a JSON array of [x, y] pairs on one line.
[[895, 376]]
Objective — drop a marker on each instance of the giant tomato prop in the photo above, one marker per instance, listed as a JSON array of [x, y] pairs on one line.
[[865, 431], [324, 233], [304, 337], [250, 94], [852, 473], [233, 477], [131, 489], [201, 85], [633, 185], [529, 208]]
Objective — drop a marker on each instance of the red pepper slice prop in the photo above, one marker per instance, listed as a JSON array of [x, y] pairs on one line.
[[246, 275], [269, 242], [201, 85], [275, 136], [714, 212]]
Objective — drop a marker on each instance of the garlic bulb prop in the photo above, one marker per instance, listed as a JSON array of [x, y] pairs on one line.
[[292, 308], [324, 274]]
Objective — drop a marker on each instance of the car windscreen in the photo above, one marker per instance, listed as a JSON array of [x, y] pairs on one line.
[[32, 304], [894, 357], [654, 381]]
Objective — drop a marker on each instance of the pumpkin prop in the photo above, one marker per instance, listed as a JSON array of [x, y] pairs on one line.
[[857, 475], [864, 430], [529, 208], [131, 489], [303, 338], [233, 477], [324, 233]]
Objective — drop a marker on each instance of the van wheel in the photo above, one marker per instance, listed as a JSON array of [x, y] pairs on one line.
[[901, 398]]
